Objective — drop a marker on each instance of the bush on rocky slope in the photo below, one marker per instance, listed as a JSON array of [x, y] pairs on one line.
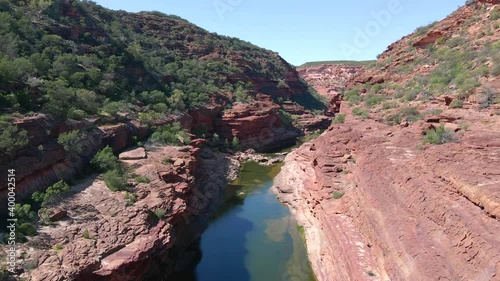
[[76, 58], [458, 57]]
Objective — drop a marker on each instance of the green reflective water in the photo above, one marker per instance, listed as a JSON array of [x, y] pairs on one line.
[[252, 236]]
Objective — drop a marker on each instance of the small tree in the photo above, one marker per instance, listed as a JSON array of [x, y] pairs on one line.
[[439, 135], [105, 160], [51, 193], [115, 180], [72, 141], [235, 143], [169, 135], [12, 139], [339, 119]]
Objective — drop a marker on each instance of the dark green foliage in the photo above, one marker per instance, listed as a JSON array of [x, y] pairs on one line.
[[373, 100], [409, 113], [160, 213], [26, 218], [52, 193], [241, 95], [24, 213], [235, 143], [115, 180], [27, 229], [141, 179], [86, 234], [352, 96], [12, 139], [338, 194], [439, 135], [99, 61], [339, 119], [105, 160], [169, 135], [72, 141], [287, 118], [361, 113]]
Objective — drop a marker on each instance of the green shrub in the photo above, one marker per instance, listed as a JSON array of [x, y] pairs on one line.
[[12, 139], [176, 100], [410, 113], [105, 160], [27, 229], [287, 117], [241, 95], [338, 194], [86, 234], [373, 100], [160, 213], [353, 96], [495, 14], [141, 179], [77, 114], [59, 247], [487, 98], [389, 105], [23, 213], [167, 160], [115, 180], [131, 198], [456, 103], [439, 135], [169, 135], [235, 143], [72, 141], [339, 119], [358, 111], [45, 198]]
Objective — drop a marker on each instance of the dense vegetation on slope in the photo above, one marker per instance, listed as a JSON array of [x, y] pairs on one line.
[[458, 58], [76, 58]]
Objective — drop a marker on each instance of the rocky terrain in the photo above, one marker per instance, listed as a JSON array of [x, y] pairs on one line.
[[330, 80], [93, 79], [405, 186], [139, 234], [79, 78]]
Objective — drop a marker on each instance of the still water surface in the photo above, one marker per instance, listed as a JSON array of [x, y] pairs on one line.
[[252, 236]]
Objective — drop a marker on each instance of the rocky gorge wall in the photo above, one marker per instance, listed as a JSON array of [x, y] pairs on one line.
[[375, 206], [257, 125], [105, 235]]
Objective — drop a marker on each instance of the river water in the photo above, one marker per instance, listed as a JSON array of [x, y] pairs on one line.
[[251, 236]]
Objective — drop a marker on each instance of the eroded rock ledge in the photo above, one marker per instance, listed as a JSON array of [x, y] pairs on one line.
[[377, 207], [143, 234]]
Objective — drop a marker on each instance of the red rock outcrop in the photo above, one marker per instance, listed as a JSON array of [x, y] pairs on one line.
[[112, 235], [330, 80], [257, 125], [428, 39], [377, 207]]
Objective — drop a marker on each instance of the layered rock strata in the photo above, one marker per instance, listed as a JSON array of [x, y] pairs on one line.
[[377, 206]]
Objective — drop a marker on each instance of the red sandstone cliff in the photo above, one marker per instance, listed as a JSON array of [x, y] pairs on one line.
[[405, 213], [378, 204]]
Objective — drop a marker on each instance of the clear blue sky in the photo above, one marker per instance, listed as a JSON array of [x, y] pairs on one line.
[[302, 31]]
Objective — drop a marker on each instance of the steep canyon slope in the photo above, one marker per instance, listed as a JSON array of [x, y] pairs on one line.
[[117, 77], [75, 79], [407, 186]]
